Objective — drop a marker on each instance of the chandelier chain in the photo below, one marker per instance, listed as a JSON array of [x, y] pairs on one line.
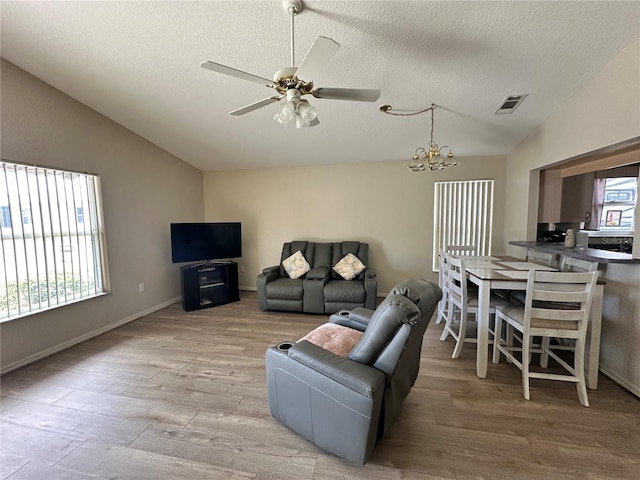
[[387, 109]]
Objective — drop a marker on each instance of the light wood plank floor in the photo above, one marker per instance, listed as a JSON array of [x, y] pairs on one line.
[[178, 395]]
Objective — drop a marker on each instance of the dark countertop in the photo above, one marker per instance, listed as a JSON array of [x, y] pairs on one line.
[[589, 254]]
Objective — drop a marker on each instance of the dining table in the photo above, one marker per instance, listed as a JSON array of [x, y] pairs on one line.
[[499, 272]]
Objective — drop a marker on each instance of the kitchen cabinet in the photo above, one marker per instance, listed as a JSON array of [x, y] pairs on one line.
[[577, 198], [565, 200]]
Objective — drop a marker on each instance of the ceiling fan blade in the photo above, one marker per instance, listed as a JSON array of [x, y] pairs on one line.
[[217, 67], [314, 122], [316, 58], [255, 106], [355, 94]]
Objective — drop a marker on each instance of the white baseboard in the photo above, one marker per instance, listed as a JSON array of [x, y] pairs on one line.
[[74, 341], [635, 389]]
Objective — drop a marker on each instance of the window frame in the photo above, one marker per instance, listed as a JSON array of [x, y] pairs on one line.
[[53, 260]]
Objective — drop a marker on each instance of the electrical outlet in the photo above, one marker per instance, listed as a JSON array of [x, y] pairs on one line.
[[141, 287], [241, 268]]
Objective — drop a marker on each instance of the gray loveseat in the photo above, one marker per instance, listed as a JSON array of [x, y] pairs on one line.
[[321, 289], [344, 397]]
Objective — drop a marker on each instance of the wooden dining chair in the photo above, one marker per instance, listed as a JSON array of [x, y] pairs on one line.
[[567, 264], [549, 311], [443, 276], [465, 301], [443, 281], [541, 258], [571, 264]]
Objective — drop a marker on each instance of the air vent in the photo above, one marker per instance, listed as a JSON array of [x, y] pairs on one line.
[[510, 103]]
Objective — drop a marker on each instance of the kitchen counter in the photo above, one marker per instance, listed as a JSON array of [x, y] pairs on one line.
[[589, 254]]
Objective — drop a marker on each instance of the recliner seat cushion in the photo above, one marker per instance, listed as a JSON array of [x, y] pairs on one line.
[[344, 291], [285, 289]]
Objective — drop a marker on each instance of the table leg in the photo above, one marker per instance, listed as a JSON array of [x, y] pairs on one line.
[[484, 295]]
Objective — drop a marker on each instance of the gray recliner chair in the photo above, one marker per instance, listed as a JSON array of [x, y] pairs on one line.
[[345, 404]]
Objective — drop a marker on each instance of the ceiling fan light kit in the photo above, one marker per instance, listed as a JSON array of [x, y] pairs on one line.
[[431, 158], [290, 82], [295, 109]]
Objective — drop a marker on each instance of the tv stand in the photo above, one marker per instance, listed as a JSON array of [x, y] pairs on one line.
[[209, 284]]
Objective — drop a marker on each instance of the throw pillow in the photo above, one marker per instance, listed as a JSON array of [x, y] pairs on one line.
[[296, 265], [349, 267]]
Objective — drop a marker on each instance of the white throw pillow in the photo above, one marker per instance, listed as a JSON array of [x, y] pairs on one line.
[[349, 267], [296, 265]]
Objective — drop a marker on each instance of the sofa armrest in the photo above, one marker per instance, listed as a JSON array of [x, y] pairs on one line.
[[356, 376], [271, 269], [370, 288], [268, 274]]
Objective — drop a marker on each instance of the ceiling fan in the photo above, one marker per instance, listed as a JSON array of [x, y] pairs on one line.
[[291, 83]]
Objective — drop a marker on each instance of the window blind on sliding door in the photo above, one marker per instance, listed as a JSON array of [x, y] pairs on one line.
[[463, 215]]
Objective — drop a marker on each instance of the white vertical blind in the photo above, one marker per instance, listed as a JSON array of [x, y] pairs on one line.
[[463, 215], [52, 248]]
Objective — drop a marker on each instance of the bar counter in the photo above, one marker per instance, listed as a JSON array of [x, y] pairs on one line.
[[589, 254]]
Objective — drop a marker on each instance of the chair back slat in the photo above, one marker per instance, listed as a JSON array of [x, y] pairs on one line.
[[457, 277], [462, 249], [541, 258], [559, 296], [570, 264], [557, 314]]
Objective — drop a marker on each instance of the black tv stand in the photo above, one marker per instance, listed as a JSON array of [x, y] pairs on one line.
[[209, 284]]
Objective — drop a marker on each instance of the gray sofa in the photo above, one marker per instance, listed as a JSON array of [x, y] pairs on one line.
[[344, 403], [321, 290]]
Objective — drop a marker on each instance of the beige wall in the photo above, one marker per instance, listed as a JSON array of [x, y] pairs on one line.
[[381, 203], [606, 111], [144, 189]]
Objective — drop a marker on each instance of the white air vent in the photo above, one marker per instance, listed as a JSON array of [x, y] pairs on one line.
[[509, 104]]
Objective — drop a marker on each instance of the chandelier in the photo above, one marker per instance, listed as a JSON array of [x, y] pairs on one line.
[[433, 157], [296, 109]]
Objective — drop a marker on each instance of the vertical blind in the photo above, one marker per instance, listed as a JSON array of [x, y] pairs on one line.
[[463, 215], [52, 250]]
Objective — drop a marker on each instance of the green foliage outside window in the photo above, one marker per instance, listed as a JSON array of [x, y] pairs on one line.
[[34, 294]]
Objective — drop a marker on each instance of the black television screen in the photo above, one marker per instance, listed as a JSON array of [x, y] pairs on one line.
[[191, 242]]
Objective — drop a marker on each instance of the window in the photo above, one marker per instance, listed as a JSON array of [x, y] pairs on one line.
[[618, 203], [55, 255], [462, 215]]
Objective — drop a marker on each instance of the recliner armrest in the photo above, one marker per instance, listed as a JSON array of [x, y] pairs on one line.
[[358, 318], [370, 273], [271, 269], [356, 376]]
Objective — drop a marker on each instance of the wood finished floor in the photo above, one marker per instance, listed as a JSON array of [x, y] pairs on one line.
[[182, 396]]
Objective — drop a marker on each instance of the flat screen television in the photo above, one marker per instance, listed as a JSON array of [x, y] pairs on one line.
[[195, 242]]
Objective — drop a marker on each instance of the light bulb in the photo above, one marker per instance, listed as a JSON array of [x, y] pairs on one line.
[[285, 114], [307, 112]]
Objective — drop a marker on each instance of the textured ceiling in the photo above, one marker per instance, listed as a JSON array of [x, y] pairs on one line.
[[138, 63]]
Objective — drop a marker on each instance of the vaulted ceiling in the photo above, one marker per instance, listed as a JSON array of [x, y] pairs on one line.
[[138, 63]]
